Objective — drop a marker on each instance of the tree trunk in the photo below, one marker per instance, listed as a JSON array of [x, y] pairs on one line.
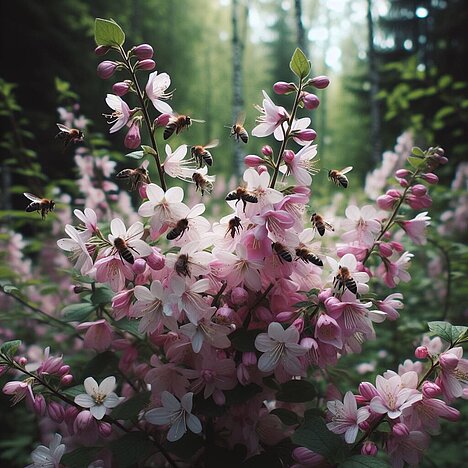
[[301, 42]]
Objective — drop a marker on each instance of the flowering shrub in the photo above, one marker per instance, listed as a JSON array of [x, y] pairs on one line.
[[214, 340]]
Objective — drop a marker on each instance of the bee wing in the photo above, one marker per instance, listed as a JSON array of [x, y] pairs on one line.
[[32, 197], [197, 120], [328, 226], [63, 128], [212, 144], [346, 169], [144, 164], [240, 118], [124, 174]]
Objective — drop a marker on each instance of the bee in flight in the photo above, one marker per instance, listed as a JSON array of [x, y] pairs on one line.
[[203, 182], [237, 130], [241, 193], [136, 177], [307, 256], [69, 135], [282, 252], [343, 280], [338, 177], [177, 123], [320, 225], [234, 226], [42, 205], [201, 155], [120, 245]]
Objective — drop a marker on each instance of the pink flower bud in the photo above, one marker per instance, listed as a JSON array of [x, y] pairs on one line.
[[264, 314], [419, 190], [364, 425], [401, 173], [306, 457], [22, 361], [39, 405], [367, 390], [225, 312], [155, 261], [133, 138], [65, 369], [299, 324], [143, 51], [386, 202], [83, 421], [397, 246], [431, 389], [324, 295], [243, 374], [139, 266], [142, 191], [106, 69], [307, 134], [67, 379], [249, 359], [442, 160], [421, 352], [56, 412], [266, 150], [105, 429], [239, 296], [146, 65], [261, 169], [393, 193], [369, 448], [284, 317], [385, 250], [162, 120], [252, 160], [430, 178], [121, 88], [448, 361], [101, 50], [288, 156], [320, 82], [400, 430], [311, 101], [403, 182], [281, 87], [451, 414], [419, 202]]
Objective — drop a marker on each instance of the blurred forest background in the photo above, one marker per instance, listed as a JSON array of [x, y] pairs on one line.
[[395, 66]]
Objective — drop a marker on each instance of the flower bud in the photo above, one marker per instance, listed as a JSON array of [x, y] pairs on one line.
[[142, 191], [139, 266], [243, 374], [431, 389], [367, 390], [105, 429], [251, 160], [396, 246], [299, 324], [146, 65], [249, 358], [264, 314], [83, 421], [284, 317], [430, 178], [155, 261], [56, 412], [401, 173], [419, 190], [22, 361], [261, 169], [281, 87], [239, 296], [307, 134], [306, 457], [421, 352], [162, 120], [385, 250], [106, 69], [324, 295], [143, 51], [225, 312], [133, 138], [266, 150], [403, 182], [386, 202], [101, 50], [319, 82], [400, 430], [121, 88], [311, 101], [39, 405], [288, 156], [65, 369], [78, 289], [67, 379], [448, 361], [364, 425], [369, 448]]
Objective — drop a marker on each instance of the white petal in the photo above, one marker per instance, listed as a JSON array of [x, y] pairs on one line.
[[143, 294], [107, 385], [267, 362], [264, 343], [169, 401], [175, 195], [187, 402], [159, 416], [177, 430], [91, 386], [194, 424], [84, 400], [276, 332], [98, 411], [135, 231], [162, 106], [118, 228], [111, 401]]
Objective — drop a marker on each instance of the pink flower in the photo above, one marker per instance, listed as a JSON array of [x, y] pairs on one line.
[[133, 138], [277, 222], [114, 271], [416, 228], [453, 373], [346, 417], [299, 131], [98, 335], [280, 346], [121, 114], [273, 116], [302, 165], [76, 245], [394, 272], [89, 219], [156, 91], [328, 331], [348, 263], [48, 457], [425, 414], [20, 389], [363, 225], [175, 165], [409, 449], [390, 305], [395, 394], [167, 377]]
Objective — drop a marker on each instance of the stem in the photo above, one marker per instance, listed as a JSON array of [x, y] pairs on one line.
[[146, 116], [286, 134]]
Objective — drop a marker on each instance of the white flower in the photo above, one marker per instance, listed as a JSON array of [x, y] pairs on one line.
[[176, 413], [362, 224], [48, 457], [349, 262], [76, 245], [121, 114], [155, 90], [98, 398], [280, 346], [176, 166], [132, 236]]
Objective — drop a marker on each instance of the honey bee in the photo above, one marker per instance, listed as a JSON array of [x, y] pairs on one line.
[[320, 225], [238, 131], [282, 252], [120, 245], [307, 256], [338, 177], [202, 183], [177, 123], [69, 135], [234, 226], [200, 153], [181, 266], [241, 193], [343, 280], [178, 230], [136, 177], [44, 205]]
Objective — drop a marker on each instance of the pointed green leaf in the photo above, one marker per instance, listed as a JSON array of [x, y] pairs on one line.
[[129, 409], [108, 33], [442, 329], [9, 348], [148, 150], [135, 155], [299, 64], [77, 312], [417, 151]]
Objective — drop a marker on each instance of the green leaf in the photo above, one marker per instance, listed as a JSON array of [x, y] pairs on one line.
[[130, 449], [10, 348], [417, 151], [287, 417], [108, 33], [102, 295], [129, 409], [77, 312], [148, 150], [459, 333], [244, 340], [135, 155], [299, 64], [130, 325], [9, 288], [361, 461], [415, 162], [442, 329], [72, 392], [296, 391], [104, 364], [241, 394], [315, 436], [80, 457], [185, 447]]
